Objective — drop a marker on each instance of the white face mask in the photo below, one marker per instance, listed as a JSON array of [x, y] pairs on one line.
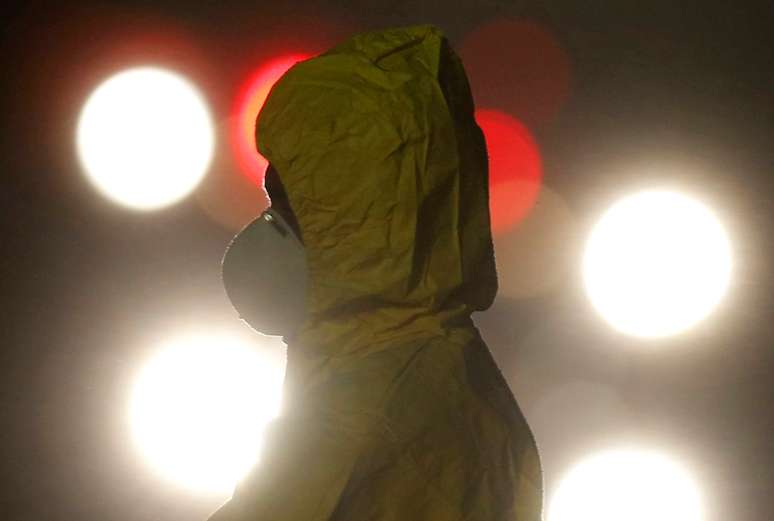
[[265, 275]]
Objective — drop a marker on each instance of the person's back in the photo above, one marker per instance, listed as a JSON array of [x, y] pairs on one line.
[[393, 406]]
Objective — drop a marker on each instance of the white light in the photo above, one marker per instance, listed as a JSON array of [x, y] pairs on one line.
[[656, 264], [199, 409], [626, 485], [145, 138]]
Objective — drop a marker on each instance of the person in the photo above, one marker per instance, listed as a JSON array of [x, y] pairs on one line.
[[393, 407]]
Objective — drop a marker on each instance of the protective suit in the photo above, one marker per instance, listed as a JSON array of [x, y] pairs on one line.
[[394, 409]]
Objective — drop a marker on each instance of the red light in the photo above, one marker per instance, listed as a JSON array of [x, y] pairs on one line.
[[248, 104], [519, 67], [515, 168]]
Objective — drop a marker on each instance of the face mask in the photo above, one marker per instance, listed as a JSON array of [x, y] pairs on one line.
[[264, 273]]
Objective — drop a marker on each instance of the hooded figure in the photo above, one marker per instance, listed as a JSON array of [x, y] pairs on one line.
[[393, 407]]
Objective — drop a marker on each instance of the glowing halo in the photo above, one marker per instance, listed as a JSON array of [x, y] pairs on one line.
[[248, 104]]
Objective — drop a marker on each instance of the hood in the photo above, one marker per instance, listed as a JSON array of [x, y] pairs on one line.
[[386, 170]]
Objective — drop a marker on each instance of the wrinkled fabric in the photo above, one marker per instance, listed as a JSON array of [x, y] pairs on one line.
[[394, 409]]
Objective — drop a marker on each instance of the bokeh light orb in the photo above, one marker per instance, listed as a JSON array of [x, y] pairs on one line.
[[526, 257], [199, 408], [145, 138], [518, 66], [249, 102], [626, 485], [515, 168], [656, 263]]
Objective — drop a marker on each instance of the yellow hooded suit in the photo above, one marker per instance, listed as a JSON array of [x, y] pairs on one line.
[[394, 409]]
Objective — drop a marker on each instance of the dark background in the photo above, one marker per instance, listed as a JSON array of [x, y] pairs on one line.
[[677, 92]]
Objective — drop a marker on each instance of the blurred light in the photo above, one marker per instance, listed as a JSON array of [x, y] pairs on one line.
[[626, 485], [199, 409], [656, 263], [249, 102], [515, 168], [533, 258], [145, 138], [517, 66]]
